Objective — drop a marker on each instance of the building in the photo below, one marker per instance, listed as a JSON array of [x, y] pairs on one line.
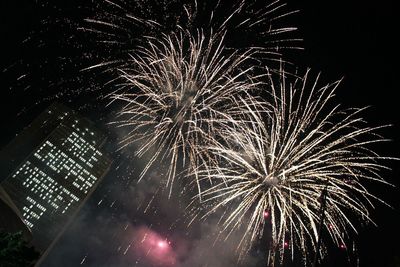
[[51, 169]]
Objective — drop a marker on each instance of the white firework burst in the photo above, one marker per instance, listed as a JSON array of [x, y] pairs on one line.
[[178, 94], [281, 161]]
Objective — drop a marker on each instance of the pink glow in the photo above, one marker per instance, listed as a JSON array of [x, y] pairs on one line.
[[162, 244], [153, 248], [266, 214]]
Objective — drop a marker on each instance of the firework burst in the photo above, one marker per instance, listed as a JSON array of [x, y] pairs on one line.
[[273, 173], [179, 93]]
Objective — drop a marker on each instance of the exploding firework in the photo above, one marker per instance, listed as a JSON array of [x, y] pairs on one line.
[[178, 94], [272, 173]]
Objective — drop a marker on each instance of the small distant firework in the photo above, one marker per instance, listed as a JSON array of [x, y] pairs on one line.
[[274, 169]]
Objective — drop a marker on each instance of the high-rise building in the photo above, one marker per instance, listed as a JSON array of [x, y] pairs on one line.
[[51, 168]]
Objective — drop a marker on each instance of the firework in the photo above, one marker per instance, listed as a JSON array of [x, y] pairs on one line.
[[273, 173], [178, 94]]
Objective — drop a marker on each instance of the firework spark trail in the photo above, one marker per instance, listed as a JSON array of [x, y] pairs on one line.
[[120, 25], [281, 161]]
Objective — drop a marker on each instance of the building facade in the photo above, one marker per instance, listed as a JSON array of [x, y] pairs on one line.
[[53, 166]]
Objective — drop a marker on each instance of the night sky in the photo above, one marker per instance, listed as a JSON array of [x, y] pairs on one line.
[[39, 57]]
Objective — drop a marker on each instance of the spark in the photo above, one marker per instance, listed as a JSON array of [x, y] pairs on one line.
[[83, 259], [282, 159], [127, 248]]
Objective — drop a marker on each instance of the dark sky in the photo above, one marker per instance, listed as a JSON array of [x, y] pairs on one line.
[[356, 41]]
